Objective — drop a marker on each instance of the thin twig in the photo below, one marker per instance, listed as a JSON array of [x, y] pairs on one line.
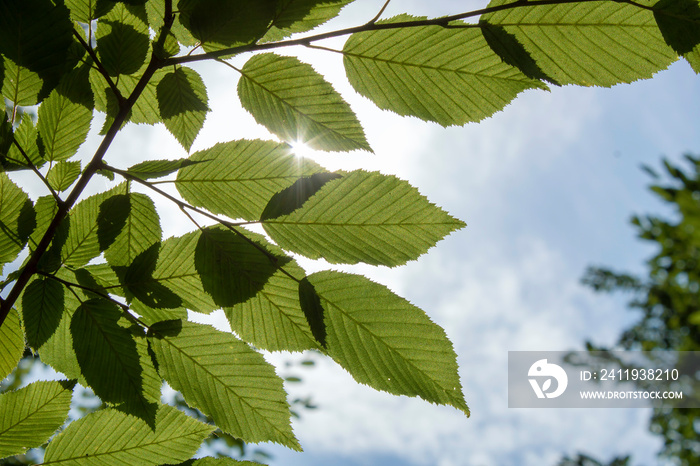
[[117, 93], [379, 15], [37, 172], [124, 307]]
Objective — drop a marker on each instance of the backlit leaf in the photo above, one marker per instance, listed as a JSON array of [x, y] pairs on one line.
[[297, 104], [94, 226], [232, 267], [182, 100], [65, 116], [141, 230], [110, 437], [35, 38], [122, 40], [25, 136], [12, 347], [30, 415], [449, 76], [363, 217], [386, 342], [234, 384], [17, 219], [238, 178], [588, 43], [87, 10], [176, 270], [273, 319], [63, 174], [158, 168]]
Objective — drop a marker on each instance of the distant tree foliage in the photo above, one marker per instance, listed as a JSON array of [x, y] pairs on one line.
[[667, 297]]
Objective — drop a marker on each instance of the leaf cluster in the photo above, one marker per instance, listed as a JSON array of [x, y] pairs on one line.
[[103, 297]]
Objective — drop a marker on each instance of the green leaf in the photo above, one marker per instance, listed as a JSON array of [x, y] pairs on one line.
[[176, 270], [587, 43], [6, 138], [158, 168], [108, 357], [511, 51], [42, 309], [62, 175], [386, 342], [122, 39], [12, 347], [17, 219], [35, 39], [273, 319], [94, 223], [65, 116], [294, 102], [29, 416], [85, 11], [209, 461], [238, 178], [290, 199], [46, 209], [141, 230], [26, 137], [20, 85], [295, 16], [449, 76], [182, 100], [363, 217], [58, 350], [232, 267], [679, 22], [141, 287], [145, 110], [110, 437], [150, 315], [220, 24], [234, 385]]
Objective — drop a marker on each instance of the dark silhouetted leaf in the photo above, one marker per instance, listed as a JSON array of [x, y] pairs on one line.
[[42, 309]]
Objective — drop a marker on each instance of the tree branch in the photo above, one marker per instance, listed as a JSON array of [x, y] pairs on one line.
[[370, 26]]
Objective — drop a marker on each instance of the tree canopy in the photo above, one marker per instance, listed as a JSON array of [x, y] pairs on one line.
[[100, 296]]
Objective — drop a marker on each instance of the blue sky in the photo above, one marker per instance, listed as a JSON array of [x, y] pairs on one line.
[[546, 187]]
